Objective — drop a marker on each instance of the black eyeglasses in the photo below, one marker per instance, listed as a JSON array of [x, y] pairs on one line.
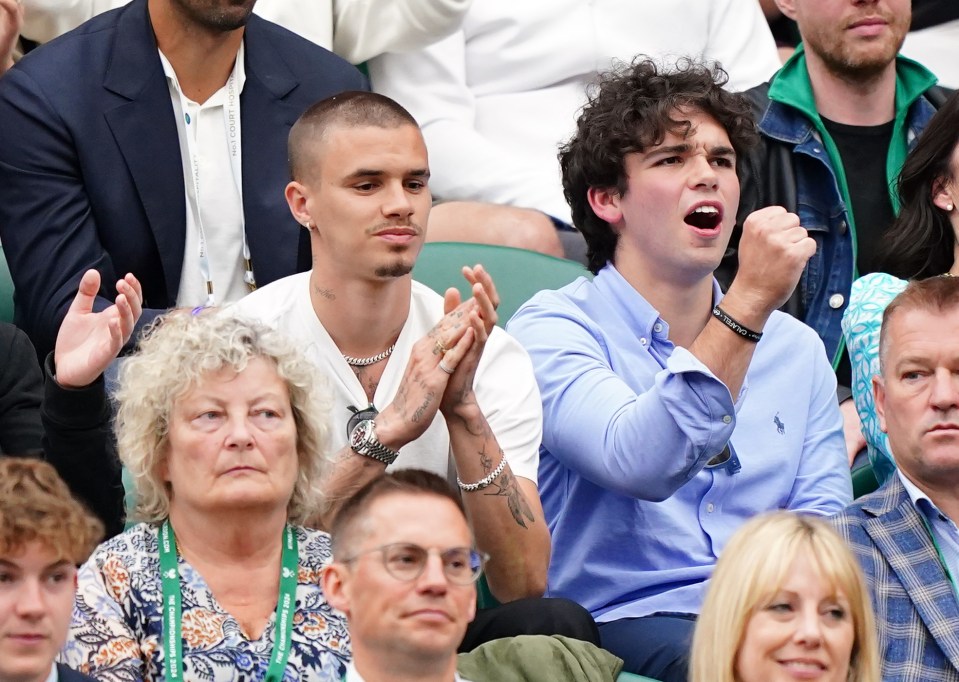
[[406, 561]]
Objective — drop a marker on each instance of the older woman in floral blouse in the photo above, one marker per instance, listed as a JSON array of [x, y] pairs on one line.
[[222, 426]]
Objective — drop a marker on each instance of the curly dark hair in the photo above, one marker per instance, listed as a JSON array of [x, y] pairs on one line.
[[920, 242], [633, 108]]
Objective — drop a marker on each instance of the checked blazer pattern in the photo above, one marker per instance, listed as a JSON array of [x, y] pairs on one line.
[[917, 615]]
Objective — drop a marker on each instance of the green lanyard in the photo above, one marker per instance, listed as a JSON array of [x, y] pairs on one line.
[[173, 638]]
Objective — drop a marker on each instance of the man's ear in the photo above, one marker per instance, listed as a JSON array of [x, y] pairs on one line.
[[787, 7], [605, 204], [879, 396], [335, 581], [296, 199]]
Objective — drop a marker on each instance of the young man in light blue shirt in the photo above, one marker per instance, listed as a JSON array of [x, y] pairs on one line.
[[672, 413]]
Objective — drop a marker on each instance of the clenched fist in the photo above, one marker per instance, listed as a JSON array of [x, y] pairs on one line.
[[773, 251]]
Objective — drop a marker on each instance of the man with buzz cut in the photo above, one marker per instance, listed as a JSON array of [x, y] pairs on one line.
[[417, 380], [835, 123], [671, 413]]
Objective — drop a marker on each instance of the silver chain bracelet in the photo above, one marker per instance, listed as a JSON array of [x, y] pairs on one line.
[[483, 482]]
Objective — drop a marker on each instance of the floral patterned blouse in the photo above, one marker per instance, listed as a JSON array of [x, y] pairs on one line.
[[117, 626]]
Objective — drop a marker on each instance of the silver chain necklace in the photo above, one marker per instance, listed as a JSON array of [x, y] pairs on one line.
[[372, 360]]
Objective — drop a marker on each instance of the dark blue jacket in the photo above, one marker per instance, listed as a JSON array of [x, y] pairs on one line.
[[90, 168]]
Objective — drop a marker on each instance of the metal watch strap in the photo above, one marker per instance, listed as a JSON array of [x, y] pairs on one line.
[[374, 449], [378, 451]]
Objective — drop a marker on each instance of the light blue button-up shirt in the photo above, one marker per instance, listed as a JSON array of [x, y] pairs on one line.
[[630, 421]]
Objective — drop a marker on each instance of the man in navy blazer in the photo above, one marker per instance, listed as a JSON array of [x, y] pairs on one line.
[[905, 534], [91, 174]]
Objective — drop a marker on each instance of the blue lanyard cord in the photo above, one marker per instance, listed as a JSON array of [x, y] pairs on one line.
[[172, 605]]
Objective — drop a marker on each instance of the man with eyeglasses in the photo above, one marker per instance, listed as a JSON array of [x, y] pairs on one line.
[[671, 412], [404, 571]]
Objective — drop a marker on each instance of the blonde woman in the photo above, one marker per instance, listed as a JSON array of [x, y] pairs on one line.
[[787, 601]]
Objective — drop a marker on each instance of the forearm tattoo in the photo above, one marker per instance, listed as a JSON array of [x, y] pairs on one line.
[[505, 486]]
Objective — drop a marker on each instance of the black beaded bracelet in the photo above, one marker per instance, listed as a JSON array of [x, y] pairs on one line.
[[744, 332]]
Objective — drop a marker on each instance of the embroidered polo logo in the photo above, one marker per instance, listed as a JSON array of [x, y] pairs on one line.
[[779, 425]]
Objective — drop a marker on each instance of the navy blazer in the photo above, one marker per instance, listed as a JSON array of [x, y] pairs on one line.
[[90, 168], [69, 675], [917, 615]]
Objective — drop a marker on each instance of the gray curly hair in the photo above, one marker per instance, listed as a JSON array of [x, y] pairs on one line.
[[174, 355]]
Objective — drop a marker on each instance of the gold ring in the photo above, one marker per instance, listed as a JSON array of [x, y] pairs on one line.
[[439, 348]]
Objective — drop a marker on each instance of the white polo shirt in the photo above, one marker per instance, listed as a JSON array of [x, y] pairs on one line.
[[220, 204]]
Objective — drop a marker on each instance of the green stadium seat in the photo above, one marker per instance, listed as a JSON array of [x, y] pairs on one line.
[[517, 273], [863, 481], [6, 290]]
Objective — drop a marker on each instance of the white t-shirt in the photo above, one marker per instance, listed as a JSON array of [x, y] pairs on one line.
[[505, 386]]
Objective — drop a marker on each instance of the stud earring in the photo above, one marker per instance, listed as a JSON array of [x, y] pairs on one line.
[[948, 208]]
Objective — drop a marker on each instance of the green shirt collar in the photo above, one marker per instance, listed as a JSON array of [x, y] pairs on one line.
[[791, 87], [791, 84]]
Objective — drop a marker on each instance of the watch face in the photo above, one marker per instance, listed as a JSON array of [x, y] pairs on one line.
[[360, 433], [358, 416]]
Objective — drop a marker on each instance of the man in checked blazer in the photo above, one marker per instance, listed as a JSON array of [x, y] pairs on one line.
[[904, 534]]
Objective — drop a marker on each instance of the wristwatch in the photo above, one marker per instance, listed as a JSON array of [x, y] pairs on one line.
[[363, 442]]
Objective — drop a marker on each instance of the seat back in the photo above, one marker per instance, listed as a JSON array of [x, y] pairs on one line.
[[6, 290], [517, 273], [863, 481]]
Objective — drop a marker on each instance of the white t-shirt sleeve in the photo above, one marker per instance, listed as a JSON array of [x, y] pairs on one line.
[[507, 393]]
